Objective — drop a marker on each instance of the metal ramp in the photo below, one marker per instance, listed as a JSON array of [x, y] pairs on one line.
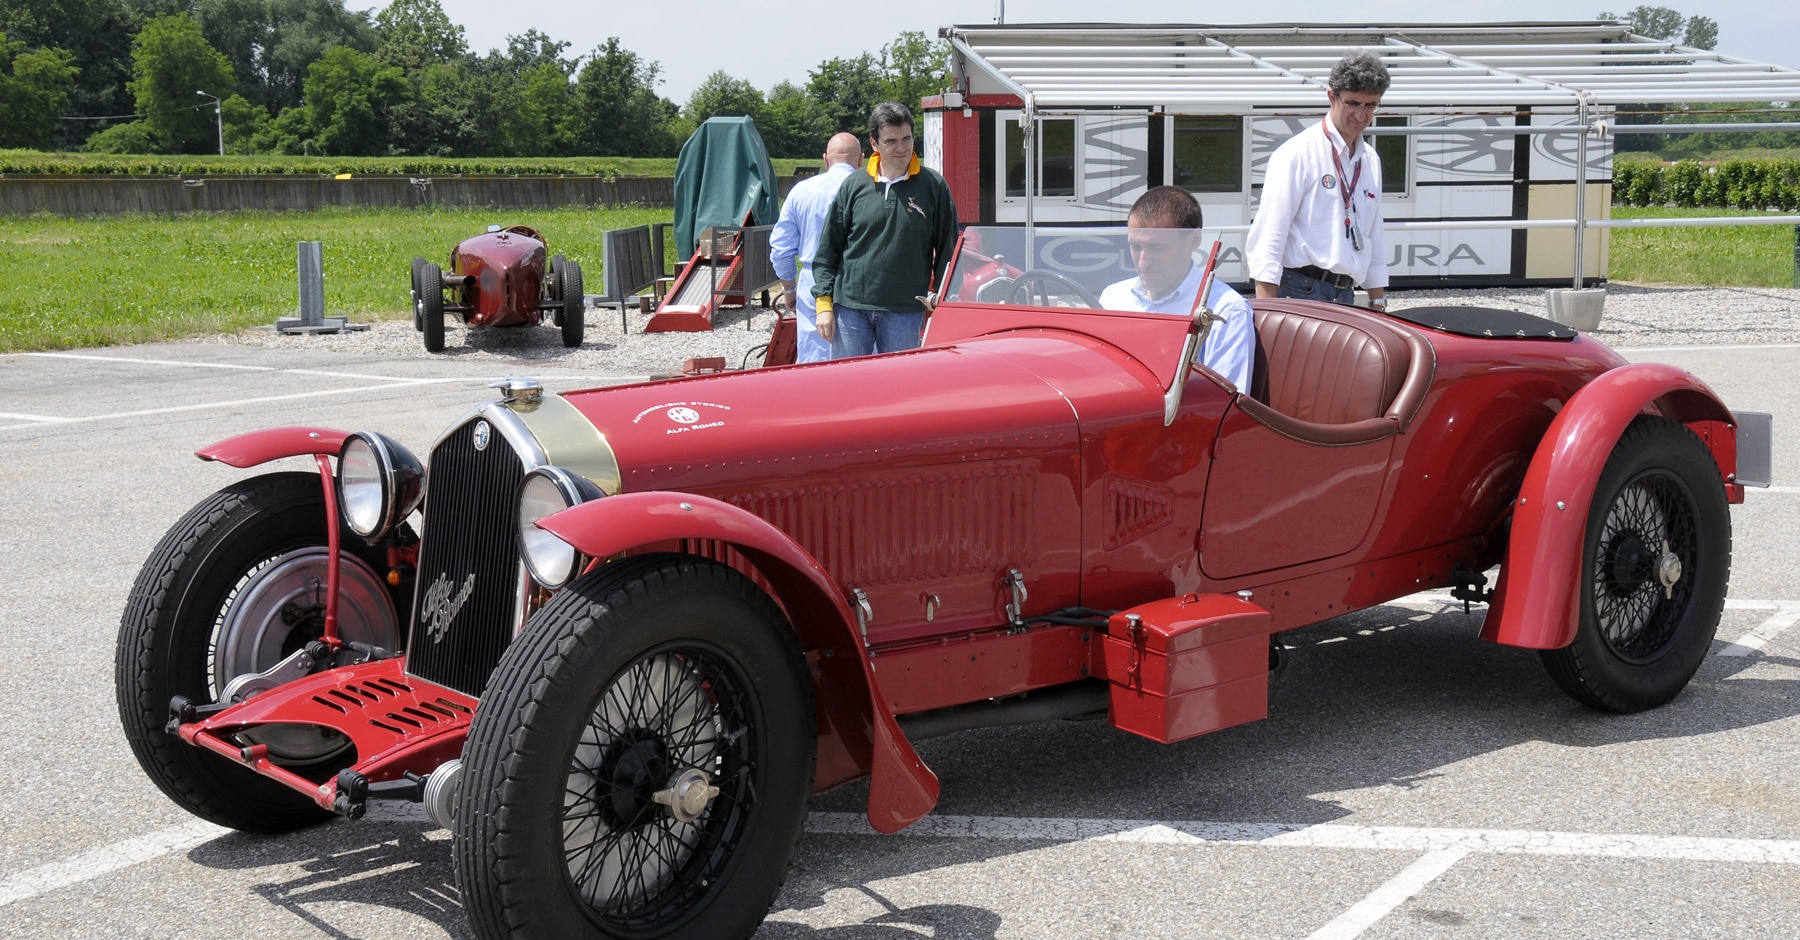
[[737, 256]]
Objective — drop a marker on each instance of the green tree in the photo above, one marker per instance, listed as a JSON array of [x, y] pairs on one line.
[[914, 67], [620, 111], [415, 34], [271, 43], [244, 123], [97, 34], [171, 60], [34, 86], [720, 95], [132, 137], [846, 90], [349, 95], [544, 120], [793, 125], [1701, 32]]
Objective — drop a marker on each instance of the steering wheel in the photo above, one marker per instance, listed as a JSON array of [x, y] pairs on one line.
[[1043, 280]]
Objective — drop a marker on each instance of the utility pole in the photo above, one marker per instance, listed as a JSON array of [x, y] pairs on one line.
[[219, 112]]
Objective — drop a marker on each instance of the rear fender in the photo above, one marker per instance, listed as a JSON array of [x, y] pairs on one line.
[[1535, 604], [901, 788], [259, 447]]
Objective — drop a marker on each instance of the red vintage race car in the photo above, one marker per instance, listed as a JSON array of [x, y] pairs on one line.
[[502, 277], [613, 639]]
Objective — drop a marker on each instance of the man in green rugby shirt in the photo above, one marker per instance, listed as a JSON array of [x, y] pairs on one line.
[[887, 240]]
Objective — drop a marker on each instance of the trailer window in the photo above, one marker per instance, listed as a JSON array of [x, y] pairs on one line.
[[1394, 150], [1055, 147], [1208, 154]]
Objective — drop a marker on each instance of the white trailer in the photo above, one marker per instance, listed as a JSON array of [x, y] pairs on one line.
[[1486, 123]]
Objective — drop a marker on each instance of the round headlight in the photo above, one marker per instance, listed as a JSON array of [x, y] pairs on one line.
[[547, 491], [378, 484]]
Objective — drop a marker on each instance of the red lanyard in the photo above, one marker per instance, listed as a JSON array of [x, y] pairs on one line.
[[1349, 185]]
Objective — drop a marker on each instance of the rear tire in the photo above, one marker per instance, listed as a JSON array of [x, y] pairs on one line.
[[226, 592], [1654, 568], [431, 305], [629, 684]]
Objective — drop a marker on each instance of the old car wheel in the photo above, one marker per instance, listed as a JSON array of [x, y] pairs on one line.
[[568, 278], [418, 316], [231, 589], [1042, 283], [640, 762], [1653, 571], [431, 305]]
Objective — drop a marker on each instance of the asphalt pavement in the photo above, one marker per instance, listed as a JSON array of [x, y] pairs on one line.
[[1410, 781]]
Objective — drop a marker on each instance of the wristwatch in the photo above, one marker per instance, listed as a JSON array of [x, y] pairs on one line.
[[1378, 303]]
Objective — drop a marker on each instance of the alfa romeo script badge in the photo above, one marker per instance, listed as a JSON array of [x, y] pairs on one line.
[[482, 432]]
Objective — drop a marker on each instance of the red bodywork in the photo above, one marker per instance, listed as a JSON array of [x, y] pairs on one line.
[[915, 514], [497, 278]]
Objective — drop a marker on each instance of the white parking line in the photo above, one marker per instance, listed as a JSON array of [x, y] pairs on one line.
[[1756, 639], [1397, 891], [46, 419], [155, 362], [1441, 848], [105, 860], [238, 402]]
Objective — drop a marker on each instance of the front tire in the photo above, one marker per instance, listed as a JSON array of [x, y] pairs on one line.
[[1654, 569], [232, 589], [585, 811], [573, 319], [431, 305]]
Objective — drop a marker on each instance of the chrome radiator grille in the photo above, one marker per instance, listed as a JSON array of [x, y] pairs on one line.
[[466, 601]]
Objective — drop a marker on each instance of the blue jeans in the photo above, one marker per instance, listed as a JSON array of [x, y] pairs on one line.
[[861, 332], [1300, 287]]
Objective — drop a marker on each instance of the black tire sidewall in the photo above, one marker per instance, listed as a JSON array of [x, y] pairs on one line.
[[1604, 679], [431, 299], [574, 308], [166, 631], [508, 828]]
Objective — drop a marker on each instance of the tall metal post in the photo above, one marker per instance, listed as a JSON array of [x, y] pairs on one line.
[[309, 259], [1581, 163]]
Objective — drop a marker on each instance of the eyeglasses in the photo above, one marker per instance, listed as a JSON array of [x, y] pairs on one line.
[[895, 142], [1360, 107]]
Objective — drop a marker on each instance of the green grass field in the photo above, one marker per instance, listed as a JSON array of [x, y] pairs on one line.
[[71, 283], [1714, 256]]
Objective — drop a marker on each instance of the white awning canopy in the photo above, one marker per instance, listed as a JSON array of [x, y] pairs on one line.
[[1230, 69]]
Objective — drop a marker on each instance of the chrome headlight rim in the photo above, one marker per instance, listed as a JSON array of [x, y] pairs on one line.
[[545, 491], [379, 483]]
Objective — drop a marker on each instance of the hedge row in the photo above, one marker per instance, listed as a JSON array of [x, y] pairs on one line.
[[35, 163], [1691, 184]]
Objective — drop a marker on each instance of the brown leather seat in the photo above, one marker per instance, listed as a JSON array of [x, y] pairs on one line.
[[1329, 374]]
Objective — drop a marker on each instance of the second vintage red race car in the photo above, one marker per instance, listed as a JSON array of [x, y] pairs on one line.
[[614, 638], [502, 277]]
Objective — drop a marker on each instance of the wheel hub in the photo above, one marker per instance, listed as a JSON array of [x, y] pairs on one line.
[[1630, 563], [687, 795], [1668, 570], [634, 775]]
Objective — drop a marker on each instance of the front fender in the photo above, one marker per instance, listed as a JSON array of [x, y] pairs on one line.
[[259, 447], [901, 788], [1535, 603]]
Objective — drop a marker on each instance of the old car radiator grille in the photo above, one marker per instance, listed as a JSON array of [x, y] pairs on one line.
[[468, 576]]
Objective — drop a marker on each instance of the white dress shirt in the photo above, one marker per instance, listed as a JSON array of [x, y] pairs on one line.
[[792, 243], [1230, 346], [1300, 220]]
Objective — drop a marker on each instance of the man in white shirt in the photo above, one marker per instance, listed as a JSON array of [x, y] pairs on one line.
[[796, 237], [1164, 234], [1318, 232]]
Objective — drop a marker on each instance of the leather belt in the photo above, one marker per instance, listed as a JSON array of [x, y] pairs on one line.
[[1320, 274]]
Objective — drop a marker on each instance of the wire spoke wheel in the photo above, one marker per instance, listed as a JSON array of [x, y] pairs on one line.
[[1655, 565], [1647, 540], [674, 713], [640, 762]]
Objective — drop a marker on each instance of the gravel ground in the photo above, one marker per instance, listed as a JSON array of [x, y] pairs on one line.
[[1635, 316]]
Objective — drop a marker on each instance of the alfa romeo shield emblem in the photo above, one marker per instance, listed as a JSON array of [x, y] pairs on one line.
[[482, 433], [683, 415]]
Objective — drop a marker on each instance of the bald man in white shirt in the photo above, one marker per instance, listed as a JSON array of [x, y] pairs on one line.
[[796, 237], [1318, 231]]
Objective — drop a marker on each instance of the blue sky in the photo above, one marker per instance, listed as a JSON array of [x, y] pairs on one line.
[[768, 41]]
